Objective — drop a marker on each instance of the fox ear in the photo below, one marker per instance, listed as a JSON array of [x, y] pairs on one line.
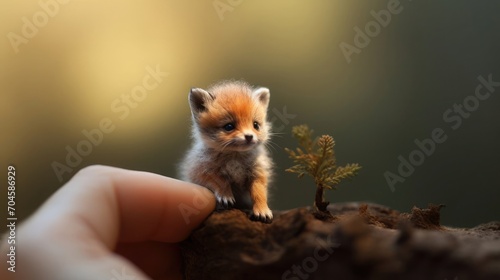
[[198, 99], [262, 94]]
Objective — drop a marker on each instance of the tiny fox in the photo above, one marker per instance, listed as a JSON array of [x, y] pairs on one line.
[[228, 154]]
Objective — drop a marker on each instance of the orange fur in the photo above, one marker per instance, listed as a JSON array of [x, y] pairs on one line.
[[228, 154]]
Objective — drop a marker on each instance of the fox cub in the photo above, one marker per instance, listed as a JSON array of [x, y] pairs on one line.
[[228, 155]]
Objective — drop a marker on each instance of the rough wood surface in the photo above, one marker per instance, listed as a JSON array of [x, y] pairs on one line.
[[358, 241]]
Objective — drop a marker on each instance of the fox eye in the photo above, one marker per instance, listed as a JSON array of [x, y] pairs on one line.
[[229, 127], [256, 125]]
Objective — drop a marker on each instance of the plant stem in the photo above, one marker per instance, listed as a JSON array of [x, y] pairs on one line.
[[319, 202]]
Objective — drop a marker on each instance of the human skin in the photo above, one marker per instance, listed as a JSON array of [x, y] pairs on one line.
[[109, 223]]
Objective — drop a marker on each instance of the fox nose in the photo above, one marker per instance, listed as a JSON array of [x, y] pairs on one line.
[[249, 137]]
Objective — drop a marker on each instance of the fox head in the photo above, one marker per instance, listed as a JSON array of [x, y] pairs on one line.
[[230, 116]]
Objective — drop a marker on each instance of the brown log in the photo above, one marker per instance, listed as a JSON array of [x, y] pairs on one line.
[[357, 241]]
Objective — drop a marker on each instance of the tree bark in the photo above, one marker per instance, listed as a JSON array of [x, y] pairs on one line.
[[357, 241]]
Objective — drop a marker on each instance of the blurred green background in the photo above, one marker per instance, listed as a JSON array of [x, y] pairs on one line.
[[83, 56]]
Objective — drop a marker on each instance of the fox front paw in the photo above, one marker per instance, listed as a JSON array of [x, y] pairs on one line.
[[224, 202], [262, 215]]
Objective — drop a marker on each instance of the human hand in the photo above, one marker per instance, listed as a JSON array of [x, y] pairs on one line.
[[110, 223]]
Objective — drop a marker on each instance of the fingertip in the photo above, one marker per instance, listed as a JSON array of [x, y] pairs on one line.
[[160, 208], [186, 212]]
